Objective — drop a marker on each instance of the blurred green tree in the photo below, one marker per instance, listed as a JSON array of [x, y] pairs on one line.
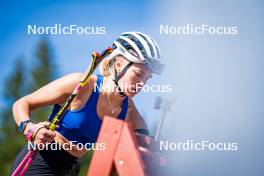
[[11, 140], [22, 81], [43, 71]]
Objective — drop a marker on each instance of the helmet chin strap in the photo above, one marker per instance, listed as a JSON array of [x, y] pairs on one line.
[[118, 76]]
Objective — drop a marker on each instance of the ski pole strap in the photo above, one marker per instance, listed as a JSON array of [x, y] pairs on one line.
[[30, 133], [37, 130]]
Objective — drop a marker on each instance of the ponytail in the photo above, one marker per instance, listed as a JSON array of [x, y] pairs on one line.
[[106, 66]]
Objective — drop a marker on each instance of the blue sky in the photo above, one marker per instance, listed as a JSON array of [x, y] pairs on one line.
[[116, 16], [217, 80]]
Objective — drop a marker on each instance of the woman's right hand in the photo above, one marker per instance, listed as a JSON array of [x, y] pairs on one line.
[[42, 135]]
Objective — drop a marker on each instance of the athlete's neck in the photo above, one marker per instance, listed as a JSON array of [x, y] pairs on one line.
[[110, 89]]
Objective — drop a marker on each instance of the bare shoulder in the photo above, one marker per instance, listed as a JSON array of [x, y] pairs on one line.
[[74, 79], [134, 117], [56, 91], [68, 82], [63, 85]]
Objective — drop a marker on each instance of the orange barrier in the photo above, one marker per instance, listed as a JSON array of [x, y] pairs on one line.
[[126, 153]]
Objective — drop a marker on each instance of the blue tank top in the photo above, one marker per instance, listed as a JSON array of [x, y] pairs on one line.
[[83, 125]]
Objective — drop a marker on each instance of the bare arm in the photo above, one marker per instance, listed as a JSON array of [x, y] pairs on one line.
[[134, 117], [54, 92]]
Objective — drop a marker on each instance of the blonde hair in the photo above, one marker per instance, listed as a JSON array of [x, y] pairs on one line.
[[108, 64]]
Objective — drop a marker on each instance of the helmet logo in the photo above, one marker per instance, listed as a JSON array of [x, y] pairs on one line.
[[122, 50]]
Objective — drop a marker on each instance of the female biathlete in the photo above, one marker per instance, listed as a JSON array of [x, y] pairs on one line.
[[134, 58]]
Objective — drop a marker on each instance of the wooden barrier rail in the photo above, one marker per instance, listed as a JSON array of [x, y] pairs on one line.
[[126, 153]]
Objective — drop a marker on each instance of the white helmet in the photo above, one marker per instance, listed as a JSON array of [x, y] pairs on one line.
[[137, 47]]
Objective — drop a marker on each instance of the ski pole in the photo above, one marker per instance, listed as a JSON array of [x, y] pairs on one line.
[[96, 59]]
